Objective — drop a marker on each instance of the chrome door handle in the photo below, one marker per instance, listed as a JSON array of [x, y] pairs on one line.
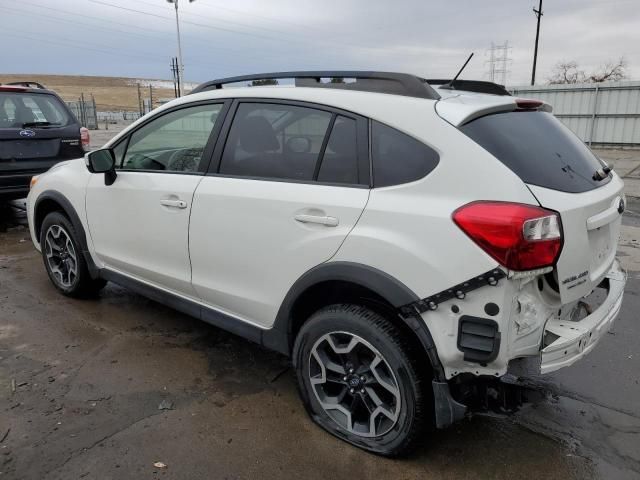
[[173, 203], [322, 220]]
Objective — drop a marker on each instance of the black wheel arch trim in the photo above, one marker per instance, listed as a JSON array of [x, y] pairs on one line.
[[379, 282], [72, 215]]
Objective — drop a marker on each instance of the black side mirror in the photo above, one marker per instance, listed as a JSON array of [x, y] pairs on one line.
[[102, 161]]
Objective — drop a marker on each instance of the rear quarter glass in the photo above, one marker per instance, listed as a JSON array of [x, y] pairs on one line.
[[538, 148]]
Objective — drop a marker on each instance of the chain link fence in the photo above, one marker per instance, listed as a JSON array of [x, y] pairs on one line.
[[85, 111]]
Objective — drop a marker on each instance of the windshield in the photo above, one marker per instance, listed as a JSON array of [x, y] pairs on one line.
[[539, 149], [24, 110]]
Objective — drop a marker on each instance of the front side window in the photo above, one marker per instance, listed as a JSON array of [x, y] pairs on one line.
[[398, 158], [274, 141], [173, 142]]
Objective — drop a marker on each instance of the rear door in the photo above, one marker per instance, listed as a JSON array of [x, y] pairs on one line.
[[562, 173], [289, 184]]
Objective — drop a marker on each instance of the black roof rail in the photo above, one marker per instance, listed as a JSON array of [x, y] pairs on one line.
[[380, 82], [28, 84], [478, 86]]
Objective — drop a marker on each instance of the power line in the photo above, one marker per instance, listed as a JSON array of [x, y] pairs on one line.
[[162, 34], [82, 46], [251, 26], [49, 17], [223, 29], [211, 27]]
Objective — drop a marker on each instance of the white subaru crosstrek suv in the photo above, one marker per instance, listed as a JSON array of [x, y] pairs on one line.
[[405, 241]]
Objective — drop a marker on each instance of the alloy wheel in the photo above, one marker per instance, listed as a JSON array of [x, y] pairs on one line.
[[354, 384], [61, 256]]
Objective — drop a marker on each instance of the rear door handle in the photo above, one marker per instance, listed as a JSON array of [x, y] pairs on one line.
[[173, 203], [322, 220]]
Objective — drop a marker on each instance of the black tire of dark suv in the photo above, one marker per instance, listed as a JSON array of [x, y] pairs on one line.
[[370, 390], [63, 258]]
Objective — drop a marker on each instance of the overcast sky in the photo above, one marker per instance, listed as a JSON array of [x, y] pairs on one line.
[[431, 38]]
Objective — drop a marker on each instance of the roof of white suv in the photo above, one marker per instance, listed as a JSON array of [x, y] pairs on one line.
[[392, 98]]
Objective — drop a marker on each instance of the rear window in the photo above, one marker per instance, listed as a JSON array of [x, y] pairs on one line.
[[23, 110], [538, 148]]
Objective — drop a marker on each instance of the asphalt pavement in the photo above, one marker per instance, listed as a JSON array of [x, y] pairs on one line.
[[121, 387]]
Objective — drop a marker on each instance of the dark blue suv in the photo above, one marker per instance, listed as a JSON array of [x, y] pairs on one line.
[[37, 130]]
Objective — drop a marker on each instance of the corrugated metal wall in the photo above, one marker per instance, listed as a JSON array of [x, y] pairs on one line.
[[600, 114]]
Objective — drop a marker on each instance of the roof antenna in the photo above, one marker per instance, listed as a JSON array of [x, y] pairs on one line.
[[449, 86]]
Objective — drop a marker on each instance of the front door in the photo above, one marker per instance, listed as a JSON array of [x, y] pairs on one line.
[[139, 225]]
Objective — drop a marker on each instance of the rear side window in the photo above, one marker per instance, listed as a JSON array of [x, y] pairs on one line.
[[275, 141], [398, 158], [24, 110], [538, 148]]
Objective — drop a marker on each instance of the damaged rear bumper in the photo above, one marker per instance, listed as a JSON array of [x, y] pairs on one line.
[[576, 339]]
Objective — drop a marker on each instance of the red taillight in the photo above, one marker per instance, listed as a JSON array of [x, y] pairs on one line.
[[84, 138], [518, 236]]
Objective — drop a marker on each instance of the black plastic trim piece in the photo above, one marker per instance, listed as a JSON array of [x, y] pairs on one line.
[[195, 309], [447, 410], [369, 81], [383, 284], [70, 212], [478, 339], [457, 291]]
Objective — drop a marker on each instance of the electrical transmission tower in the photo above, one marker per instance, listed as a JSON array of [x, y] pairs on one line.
[[499, 62]]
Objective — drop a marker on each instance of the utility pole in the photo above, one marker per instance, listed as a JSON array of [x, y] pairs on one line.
[[539, 14], [180, 64], [174, 72], [139, 100], [150, 97]]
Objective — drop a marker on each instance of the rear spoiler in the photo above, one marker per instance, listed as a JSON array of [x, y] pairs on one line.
[[27, 84], [461, 109]]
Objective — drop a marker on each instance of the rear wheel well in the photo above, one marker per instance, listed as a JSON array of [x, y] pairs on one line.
[[44, 208], [343, 292]]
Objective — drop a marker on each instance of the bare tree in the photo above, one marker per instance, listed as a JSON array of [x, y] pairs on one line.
[[568, 72], [610, 72]]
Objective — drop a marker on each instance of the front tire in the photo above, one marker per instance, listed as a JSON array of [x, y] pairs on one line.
[[361, 381], [63, 258]]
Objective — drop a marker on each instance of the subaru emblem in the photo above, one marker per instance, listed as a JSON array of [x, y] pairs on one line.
[[27, 133]]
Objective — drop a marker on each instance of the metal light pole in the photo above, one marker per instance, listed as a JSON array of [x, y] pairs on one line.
[[180, 64]]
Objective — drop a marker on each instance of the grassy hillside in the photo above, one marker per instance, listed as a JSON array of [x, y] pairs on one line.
[[111, 93]]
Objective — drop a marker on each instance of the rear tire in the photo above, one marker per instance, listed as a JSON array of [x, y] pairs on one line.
[[360, 379], [63, 258]]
